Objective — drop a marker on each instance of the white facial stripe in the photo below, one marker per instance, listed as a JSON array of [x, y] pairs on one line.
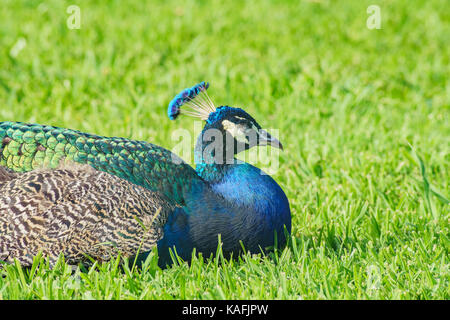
[[236, 131], [228, 125]]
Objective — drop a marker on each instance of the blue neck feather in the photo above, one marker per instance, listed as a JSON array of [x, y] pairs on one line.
[[236, 200]]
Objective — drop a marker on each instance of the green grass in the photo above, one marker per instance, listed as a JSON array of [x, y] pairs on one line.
[[363, 116]]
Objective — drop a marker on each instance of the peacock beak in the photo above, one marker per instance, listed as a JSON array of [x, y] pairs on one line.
[[265, 139]]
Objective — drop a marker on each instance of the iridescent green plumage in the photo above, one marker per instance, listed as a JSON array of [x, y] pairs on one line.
[[25, 147]]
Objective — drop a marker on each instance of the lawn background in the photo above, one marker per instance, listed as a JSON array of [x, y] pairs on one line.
[[362, 114]]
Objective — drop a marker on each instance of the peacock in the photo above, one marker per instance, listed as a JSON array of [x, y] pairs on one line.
[[85, 196]]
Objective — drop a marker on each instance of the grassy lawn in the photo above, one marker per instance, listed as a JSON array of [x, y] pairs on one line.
[[363, 116]]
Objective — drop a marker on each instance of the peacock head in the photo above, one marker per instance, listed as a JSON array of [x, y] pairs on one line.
[[230, 130]]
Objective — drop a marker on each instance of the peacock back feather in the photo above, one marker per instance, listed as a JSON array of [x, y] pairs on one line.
[[25, 147]]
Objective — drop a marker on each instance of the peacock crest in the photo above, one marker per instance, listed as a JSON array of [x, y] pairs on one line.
[[195, 101]]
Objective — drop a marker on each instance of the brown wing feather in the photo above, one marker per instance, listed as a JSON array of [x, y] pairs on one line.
[[6, 175], [77, 211]]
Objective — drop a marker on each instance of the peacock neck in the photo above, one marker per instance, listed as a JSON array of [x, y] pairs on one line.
[[237, 189], [214, 159], [233, 199], [213, 173]]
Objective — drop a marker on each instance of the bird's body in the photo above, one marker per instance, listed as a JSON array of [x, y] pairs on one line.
[[222, 196], [247, 210]]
